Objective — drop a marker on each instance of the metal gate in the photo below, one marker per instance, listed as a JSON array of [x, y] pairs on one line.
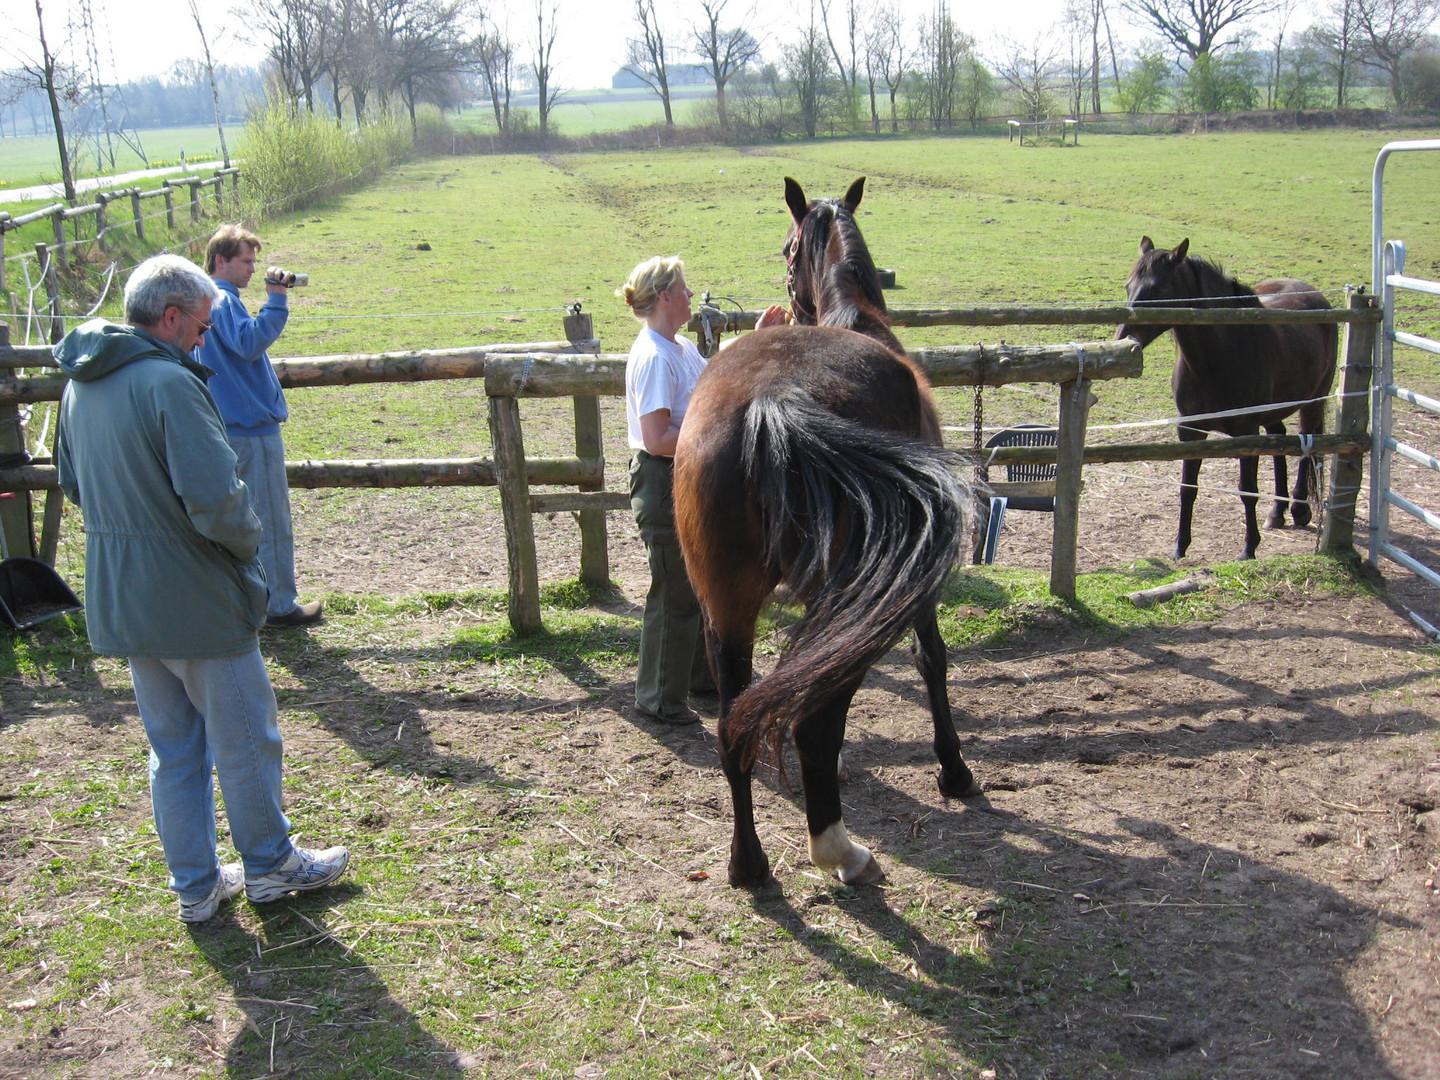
[[1388, 274]]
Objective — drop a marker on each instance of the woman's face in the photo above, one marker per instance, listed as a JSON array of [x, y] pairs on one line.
[[674, 304]]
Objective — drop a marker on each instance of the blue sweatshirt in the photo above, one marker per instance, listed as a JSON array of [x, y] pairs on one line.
[[244, 384]]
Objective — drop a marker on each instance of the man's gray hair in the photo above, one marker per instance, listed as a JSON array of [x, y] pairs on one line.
[[165, 281]]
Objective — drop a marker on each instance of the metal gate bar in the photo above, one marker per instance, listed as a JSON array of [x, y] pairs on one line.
[[1388, 268]]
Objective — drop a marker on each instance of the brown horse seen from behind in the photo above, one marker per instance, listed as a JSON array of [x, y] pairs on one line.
[[811, 456]]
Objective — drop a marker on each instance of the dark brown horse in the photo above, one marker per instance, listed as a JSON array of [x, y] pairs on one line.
[[1223, 368], [811, 455]]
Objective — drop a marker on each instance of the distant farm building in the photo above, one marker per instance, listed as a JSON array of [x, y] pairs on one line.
[[680, 75]]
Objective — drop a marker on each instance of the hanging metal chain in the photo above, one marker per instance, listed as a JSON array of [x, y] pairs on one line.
[[980, 472]]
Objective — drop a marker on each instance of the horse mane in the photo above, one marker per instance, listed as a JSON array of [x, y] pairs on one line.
[[1216, 286], [849, 295]]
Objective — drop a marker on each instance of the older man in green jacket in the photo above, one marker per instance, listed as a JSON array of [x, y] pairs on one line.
[[173, 585]]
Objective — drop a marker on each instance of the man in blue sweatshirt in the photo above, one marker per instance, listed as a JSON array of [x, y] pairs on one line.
[[173, 586], [250, 399]]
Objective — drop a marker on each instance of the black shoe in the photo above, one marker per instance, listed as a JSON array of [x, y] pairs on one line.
[[302, 615], [683, 718]]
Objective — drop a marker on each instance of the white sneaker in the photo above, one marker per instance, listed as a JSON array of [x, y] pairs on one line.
[[228, 884], [304, 870]]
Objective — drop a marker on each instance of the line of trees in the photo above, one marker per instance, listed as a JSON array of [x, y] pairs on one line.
[[844, 64]]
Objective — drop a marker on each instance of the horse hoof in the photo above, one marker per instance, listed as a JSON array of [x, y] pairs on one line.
[[962, 787], [869, 874], [1275, 522], [1301, 516]]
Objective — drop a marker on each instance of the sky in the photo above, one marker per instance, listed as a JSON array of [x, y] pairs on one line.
[[147, 37]]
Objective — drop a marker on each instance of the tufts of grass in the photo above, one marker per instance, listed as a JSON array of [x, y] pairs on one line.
[[986, 606]]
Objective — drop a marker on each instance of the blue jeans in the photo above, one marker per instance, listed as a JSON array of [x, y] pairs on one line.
[[200, 714], [262, 466]]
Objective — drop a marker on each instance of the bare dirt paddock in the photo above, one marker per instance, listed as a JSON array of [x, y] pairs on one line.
[[1204, 851], [1240, 816]]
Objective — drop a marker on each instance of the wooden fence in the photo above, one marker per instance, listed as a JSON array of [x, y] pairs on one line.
[[60, 215], [536, 370]]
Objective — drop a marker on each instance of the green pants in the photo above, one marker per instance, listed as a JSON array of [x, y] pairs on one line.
[[672, 649]]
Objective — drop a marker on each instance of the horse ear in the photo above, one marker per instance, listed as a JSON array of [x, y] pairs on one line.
[[795, 200], [854, 195], [1180, 249], [1146, 245]]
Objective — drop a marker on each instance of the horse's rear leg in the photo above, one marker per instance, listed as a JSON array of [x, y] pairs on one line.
[[1276, 520], [1189, 478], [928, 649], [731, 662], [818, 738]]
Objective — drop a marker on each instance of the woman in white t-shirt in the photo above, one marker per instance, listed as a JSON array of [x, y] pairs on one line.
[[659, 379]]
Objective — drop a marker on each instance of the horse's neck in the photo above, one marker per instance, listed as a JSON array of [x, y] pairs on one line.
[[863, 319], [1216, 289]]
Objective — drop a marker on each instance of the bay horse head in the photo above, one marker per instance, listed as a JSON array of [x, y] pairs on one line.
[[1160, 276], [830, 275]]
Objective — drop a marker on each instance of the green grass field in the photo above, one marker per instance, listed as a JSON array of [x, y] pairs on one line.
[[32, 160]]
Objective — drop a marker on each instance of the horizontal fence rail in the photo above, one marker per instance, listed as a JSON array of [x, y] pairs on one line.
[[544, 370]]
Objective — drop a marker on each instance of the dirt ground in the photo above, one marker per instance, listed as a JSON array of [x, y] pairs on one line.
[[1278, 767], [1239, 815]]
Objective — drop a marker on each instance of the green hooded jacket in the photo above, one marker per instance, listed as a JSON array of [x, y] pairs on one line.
[[170, 539]]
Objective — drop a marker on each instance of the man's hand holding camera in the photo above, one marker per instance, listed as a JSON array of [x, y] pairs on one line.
[[280, 280]]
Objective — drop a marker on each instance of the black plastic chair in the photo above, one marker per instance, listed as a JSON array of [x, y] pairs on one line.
[[31, 592], [1022, 435]]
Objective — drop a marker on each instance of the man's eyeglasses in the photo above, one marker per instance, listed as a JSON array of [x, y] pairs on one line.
[[204, 325]]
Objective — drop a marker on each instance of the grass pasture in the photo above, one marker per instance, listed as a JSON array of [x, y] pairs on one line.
[[1207, 843], [31, 160]]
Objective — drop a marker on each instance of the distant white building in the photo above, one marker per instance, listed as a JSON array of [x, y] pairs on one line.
[[680, 75]]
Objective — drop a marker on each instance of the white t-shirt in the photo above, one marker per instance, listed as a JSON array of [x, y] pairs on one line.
[[660, 374]]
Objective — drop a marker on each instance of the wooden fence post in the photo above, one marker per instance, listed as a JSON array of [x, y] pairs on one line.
[[594, 536], [169, 204], [509, 444], [17, 532], [102, 200], [589, 444], [52, 292], [1070, 455], [58, 218], [4, 218], [194, 202], [1337, 533], [235, 191], [139, 217]]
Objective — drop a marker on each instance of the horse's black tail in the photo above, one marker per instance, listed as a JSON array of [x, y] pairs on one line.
[[863, 524]]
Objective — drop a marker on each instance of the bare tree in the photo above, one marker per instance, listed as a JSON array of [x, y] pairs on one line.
[[1193, 27], [725, 50], [57, 81], [1284, 11], [1085, 20], [494, 60], [291, 32], [646, 58], [809, 77], [850, 16], [1393, 29], [547, 25], [943, 55], [430, 43], [1341, 43], [1029, 69], [887, 60], [214, 89]]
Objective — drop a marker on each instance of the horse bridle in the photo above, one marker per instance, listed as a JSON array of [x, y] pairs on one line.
[[791, 249]]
